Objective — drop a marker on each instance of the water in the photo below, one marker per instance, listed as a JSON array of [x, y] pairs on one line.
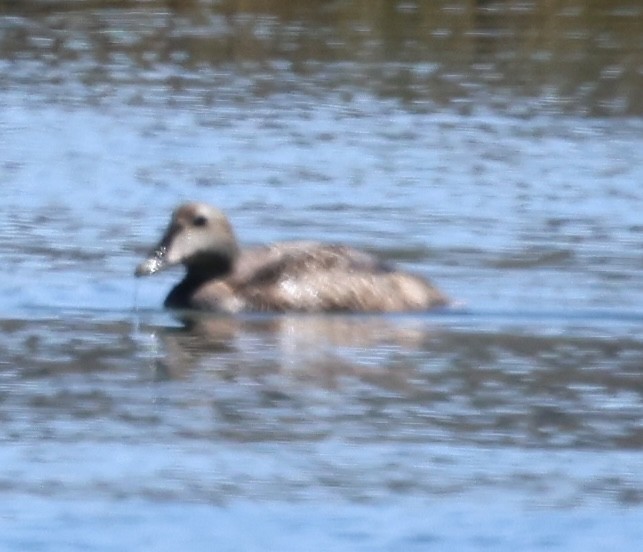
[[494, 148]]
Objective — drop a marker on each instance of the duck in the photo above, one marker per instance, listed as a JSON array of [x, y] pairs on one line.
[[291, 276]]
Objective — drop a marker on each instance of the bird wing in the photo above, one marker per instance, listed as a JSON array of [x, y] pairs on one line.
[[308, 276]]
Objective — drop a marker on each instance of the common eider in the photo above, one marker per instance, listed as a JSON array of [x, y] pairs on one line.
[[298, 276]]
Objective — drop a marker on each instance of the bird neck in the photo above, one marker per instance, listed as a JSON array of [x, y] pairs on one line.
[[210, 266]]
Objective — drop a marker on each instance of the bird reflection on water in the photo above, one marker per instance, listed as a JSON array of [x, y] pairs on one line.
[[321, 349]]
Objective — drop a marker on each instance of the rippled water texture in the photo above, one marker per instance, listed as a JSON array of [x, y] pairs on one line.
[[494, 147]]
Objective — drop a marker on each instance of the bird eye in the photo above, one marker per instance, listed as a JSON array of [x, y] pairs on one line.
[[199, 220]]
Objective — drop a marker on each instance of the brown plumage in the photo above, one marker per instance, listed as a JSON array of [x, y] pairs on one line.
[[287, 276]]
